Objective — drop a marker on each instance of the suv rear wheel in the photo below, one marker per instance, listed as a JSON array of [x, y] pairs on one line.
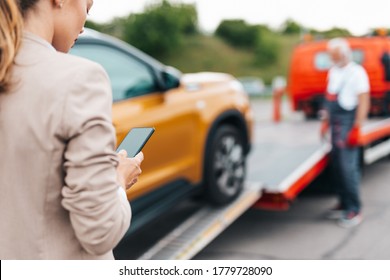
[[225, 165]]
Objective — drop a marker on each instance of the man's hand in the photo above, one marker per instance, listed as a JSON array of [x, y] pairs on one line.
[[353, 136], [324, 129]]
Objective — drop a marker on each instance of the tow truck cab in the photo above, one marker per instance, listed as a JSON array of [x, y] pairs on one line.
[[310, 64]]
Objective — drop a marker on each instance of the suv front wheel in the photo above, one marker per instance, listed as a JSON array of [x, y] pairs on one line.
[[225, 165]]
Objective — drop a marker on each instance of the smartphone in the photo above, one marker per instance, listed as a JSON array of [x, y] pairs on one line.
[[135, 140]]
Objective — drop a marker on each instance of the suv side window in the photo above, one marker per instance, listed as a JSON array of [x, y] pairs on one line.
[[129, 76]]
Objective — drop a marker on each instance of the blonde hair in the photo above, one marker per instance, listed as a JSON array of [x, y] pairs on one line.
[[11, 22]]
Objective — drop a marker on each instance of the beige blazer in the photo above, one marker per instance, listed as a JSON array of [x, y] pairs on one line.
[[59, 196]]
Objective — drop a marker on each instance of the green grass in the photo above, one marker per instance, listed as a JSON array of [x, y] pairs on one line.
[[207, 53]]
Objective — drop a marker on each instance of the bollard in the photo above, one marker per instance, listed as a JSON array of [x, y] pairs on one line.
[[277, 102], [278, 88]]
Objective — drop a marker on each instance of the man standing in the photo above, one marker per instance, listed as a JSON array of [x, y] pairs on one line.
[[347, 105]]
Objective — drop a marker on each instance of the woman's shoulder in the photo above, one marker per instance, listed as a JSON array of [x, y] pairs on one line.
[[80, 75], [57, 76], [72, 73], [71, 64], [38, 55]]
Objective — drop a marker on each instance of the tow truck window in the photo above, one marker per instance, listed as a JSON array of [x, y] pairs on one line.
[[322, 60]]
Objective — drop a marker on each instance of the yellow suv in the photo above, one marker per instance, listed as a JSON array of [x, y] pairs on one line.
[[203, 125]]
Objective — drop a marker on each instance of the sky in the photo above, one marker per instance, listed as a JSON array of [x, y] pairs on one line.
[[358, 16]]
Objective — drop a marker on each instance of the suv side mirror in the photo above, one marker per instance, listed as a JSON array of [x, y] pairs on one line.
[[171, 77]]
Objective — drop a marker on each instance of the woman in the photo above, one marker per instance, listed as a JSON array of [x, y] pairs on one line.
[[62, 186]]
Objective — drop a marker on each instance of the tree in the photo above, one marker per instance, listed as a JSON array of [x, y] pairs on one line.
[[238, 33], [93, 25], [186, 17], [160, 29], [291, 27], [258, 38], [267, 49], [336, 32]]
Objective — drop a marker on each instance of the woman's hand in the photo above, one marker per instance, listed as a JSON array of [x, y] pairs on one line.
[[129, 169]]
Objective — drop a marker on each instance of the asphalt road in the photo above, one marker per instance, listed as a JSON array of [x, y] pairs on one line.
[[298, 233]]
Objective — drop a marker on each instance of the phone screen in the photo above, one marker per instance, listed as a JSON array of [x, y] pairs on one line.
[[135, 140]]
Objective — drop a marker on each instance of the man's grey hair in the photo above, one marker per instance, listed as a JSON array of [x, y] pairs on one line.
[[343, 46]]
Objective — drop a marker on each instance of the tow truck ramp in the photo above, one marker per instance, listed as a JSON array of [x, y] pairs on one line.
[[201, 228]]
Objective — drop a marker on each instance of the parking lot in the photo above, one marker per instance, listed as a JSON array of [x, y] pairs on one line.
[[298, 233]]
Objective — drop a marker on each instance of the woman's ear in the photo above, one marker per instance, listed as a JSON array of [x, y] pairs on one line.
[[58, 3]]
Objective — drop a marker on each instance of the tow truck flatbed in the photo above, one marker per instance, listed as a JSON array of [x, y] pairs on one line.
[[286, 157], [294, 151]]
